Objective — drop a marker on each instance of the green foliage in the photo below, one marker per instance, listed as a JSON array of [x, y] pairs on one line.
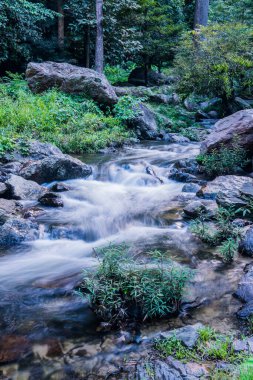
[[75, 124], [210, 346], [126, 108], [246, 370], [121, 289], [216, 61], [224, 160], [21, 25], [220, 233], [117, 74]]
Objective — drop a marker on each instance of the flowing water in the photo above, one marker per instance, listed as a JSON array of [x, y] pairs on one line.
[[42, 320]]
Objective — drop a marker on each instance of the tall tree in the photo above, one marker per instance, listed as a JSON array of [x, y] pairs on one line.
[[99, 54], [61, 34], [201, 13]]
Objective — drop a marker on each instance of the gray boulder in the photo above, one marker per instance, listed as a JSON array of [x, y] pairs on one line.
[[187, 335], [246, 247], [144, 123], [16, 231], [226, 190], [55, 168], [8, 208], [71, 79], [176, 138], [3, 188], [22, 189], [239, 126], [245, 287], [51, 200], [191, 188]]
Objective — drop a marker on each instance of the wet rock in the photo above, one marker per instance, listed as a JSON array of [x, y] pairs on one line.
[[201, 115], [144, 123], [188, 335], [176, 138], [191, 188], [241, 223], [246, 245], [194, 209], [245, 287], [16, 231], [226, 190], [245, 311], [33, 212], [59, 188], [22, 189], [8, 208], [214, 104], [3, 188], [240, 124], [13, 348], [51, 200], [71, 79], [55, 168], [188, 165], [181, 176]]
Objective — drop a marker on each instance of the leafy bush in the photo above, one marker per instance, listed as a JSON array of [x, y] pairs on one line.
[[118, 74], [126, 108], [121, 289], [216, 61], [74, 123], [223, 161], [228, 249], [210, 346]]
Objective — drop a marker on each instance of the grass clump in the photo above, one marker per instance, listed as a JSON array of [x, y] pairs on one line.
[[223, 161], [210, 346], [221, 232], [121, 289], [74, 123]]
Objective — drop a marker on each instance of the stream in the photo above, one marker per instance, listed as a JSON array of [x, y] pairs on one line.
[[45, 325]]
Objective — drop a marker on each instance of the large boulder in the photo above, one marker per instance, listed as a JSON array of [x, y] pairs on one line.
[[71, 79], [245, 287], [21, 189], [237, 126], [246, 247], [137, 78], [144, 123], [16, 231], [8, 209], [55, 168], [227, 190]]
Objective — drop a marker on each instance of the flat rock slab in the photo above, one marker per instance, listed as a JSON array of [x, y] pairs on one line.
[[188, 335]]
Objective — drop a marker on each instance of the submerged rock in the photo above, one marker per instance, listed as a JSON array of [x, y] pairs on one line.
[[55, 168], [16, 231], [71, 79]]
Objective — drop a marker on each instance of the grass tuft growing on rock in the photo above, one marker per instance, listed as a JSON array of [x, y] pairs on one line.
[[121, 289]]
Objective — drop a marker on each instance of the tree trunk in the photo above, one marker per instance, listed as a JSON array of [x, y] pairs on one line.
[[201, 13], [99, 56], [87, 48], [60, 24]]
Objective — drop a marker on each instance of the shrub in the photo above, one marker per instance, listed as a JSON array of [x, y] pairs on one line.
[[223, 161], [118, 74], [74, 123], [216, 61], [121, 289], [228, 249], [126, 108]]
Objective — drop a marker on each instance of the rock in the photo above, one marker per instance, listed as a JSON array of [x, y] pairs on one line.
[[147, 92], [190, 104], [213, 115], [246, 246], [21, 189], [8, 209], [240, 104], [239, 125], [188, 335], [201, 115], [137, 78], [194, 209], [181, 176], [71, 79], [3, 188], [239, 345], [59, 187], [191, 188], [245, 311], [245, 287], [33, 212], [188, 165], [16, 231], [144, 123], [226, 190], [210, 105], [176, 138], [51, 200], [55, 168], [13, 348], [172, 99]]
